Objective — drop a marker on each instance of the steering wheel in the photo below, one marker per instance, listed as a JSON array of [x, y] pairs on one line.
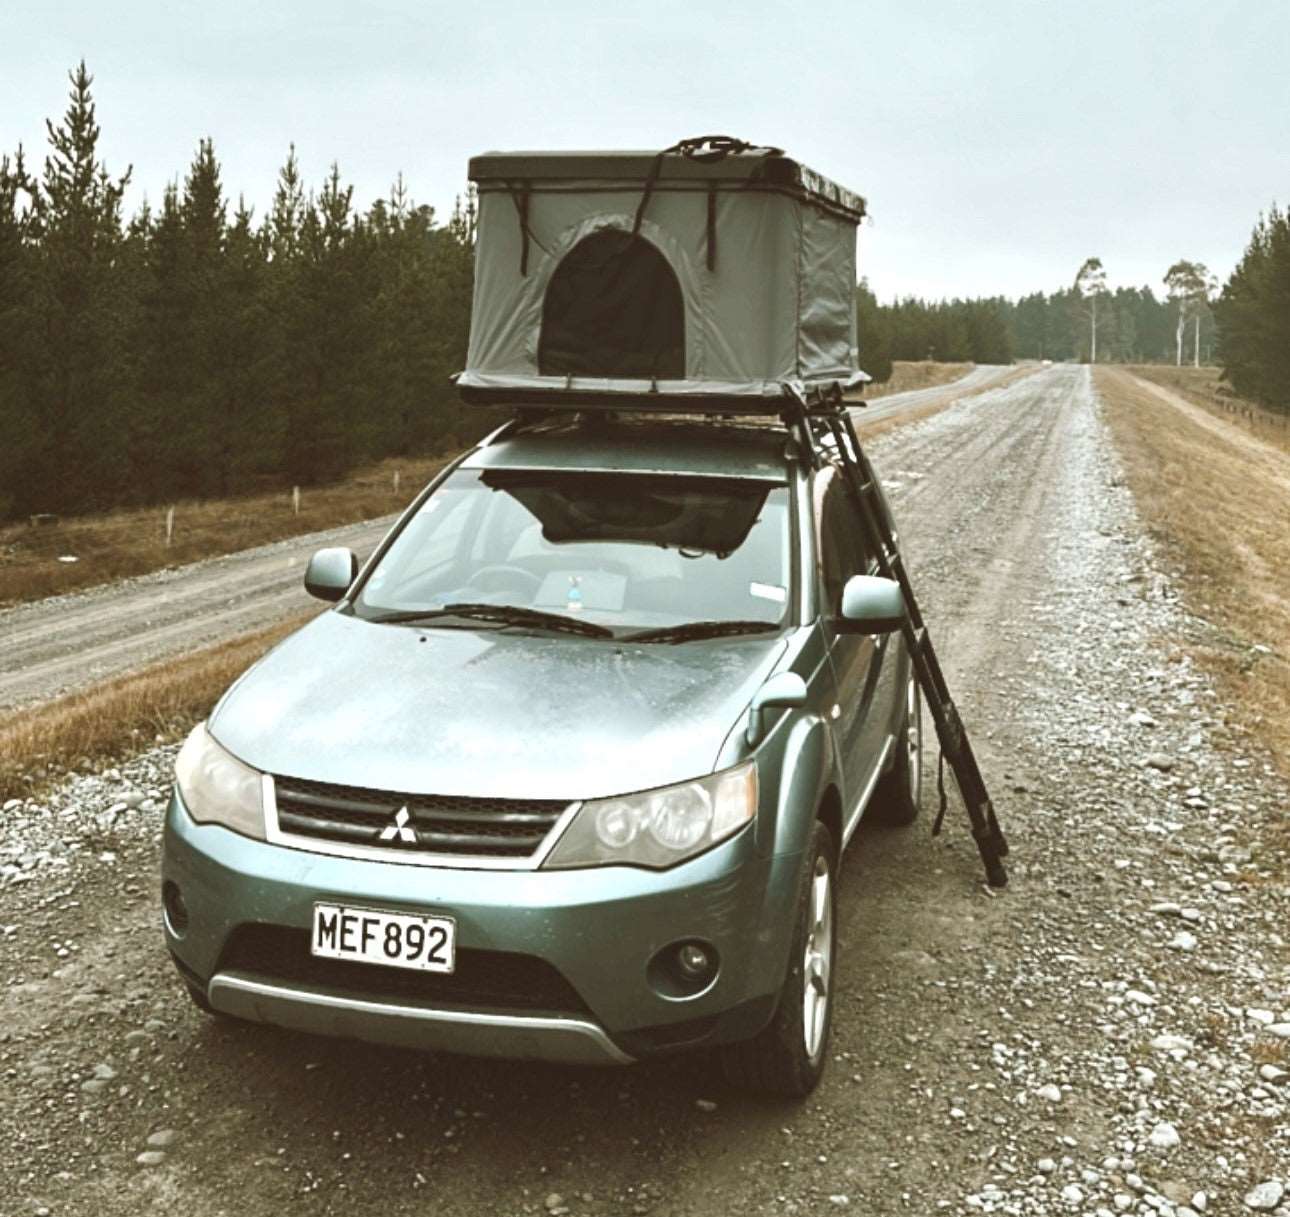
[[530, 581]]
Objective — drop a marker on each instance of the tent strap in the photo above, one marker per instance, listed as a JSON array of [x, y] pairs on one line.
[[520, 197], [711, 245], [706, 149]]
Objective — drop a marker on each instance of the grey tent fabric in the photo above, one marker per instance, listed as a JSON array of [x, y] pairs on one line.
[[640, 273]]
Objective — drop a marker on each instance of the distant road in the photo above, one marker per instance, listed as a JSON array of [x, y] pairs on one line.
[[980, 378], [55, 646]]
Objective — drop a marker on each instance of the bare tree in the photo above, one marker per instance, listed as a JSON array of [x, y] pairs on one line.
[[1090, 284], [1190, 287]]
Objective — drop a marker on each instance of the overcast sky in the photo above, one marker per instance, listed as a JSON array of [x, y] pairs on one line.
[[999, 142]]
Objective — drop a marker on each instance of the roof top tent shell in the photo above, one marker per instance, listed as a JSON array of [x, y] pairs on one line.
[[710, 274]]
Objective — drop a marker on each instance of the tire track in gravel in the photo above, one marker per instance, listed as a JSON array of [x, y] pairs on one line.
[[69, 642]]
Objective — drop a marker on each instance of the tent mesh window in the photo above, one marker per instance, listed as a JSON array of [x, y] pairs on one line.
[[613, 308]]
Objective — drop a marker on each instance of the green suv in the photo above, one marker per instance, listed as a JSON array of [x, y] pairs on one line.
[[567, 770]]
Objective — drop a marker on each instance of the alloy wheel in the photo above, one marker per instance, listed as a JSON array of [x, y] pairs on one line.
[[818, 961]]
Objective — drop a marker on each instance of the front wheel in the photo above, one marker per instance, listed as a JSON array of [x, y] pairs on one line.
[[788, 1057], [899, 790]]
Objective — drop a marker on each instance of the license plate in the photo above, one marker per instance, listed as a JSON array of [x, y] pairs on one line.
[[397, 940]]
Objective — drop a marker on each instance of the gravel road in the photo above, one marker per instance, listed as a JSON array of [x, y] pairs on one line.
[[1110, 1034], [69, 642]]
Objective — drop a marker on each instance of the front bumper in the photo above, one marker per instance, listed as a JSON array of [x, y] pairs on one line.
[[598, 928]]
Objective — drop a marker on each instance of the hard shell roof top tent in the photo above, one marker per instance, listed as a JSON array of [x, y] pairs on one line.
[[712, 270]]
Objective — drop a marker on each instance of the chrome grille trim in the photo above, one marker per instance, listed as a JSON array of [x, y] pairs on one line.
[[276, 834]]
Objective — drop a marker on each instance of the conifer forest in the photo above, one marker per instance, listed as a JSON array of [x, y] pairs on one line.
[[194, 349]]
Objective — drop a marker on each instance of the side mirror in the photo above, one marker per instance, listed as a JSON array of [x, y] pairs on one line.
[[330, 573], [871, 605], [786, 689]]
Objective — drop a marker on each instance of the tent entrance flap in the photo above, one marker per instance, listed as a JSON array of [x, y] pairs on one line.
[[613, 308]]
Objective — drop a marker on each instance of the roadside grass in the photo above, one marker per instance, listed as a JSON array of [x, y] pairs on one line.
[[1214, 497], [907, 374], [1202, 387], [42, 744], [121, 544]]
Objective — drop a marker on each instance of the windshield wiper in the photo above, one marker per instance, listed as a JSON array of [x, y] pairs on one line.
[[503, 614], [689, 630]]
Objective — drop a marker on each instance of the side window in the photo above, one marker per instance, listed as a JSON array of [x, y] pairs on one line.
[[842, 552]]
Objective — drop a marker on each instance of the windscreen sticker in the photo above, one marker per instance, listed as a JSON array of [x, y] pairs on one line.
[[768, 591]]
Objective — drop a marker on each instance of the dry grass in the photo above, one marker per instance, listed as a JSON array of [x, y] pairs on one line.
[[38, 745], [1215, 497], [1202, 387], [123, 543], [923, 374]]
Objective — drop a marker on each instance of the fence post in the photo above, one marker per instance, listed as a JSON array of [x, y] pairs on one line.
[[295, 499], [396, 481], [170, 525]]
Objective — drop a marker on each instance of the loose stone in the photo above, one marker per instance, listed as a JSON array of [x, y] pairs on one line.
[[1266, 1196], [1165, 1136]]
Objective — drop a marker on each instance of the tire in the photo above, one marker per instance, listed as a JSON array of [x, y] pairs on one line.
[[899, 791], [788, 1056]]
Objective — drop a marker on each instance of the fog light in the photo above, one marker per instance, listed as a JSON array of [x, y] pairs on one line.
[[693, 960], [172, 903], [683, 969]]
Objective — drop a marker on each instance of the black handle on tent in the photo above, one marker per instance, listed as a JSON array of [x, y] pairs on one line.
[[709, 148]]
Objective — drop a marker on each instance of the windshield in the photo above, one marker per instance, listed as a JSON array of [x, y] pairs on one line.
[[627, 551]]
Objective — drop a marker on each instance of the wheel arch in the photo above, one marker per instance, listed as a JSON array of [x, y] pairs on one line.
[[808, 773]]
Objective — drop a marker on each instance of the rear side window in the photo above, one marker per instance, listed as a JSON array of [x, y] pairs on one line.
[[842, 550]]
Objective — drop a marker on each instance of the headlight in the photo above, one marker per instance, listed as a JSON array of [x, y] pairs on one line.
[[659, 828], [217, 788]]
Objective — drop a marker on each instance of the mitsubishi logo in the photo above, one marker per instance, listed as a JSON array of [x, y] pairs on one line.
[[399, 829]]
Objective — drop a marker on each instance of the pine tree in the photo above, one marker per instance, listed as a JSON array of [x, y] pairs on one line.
[[18, 424], [1253, 315], [80, 383], [873, 335]]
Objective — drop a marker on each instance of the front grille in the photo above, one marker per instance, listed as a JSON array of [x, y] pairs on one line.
[[482, 981], [442, 824]]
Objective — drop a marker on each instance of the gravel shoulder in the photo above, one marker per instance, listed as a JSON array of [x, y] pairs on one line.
[[1110, 1034]]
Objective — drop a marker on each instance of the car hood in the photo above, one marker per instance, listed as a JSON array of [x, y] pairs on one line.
[[496, 714]]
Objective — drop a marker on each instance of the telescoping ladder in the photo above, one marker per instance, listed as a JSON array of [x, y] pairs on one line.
[[834, 419]]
